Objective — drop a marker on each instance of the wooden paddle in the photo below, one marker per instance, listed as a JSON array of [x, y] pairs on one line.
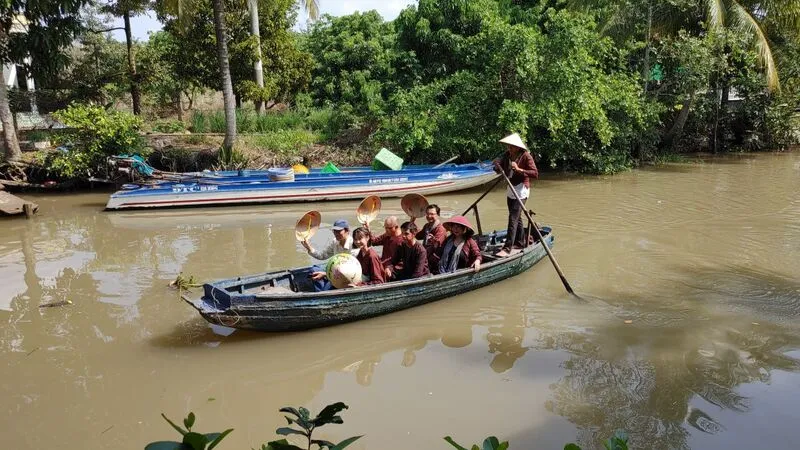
[[539, 234]]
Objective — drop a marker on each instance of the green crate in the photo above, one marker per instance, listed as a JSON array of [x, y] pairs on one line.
[[330, 168], [386, 160]]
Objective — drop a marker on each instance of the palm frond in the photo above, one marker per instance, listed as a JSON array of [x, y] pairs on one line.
[[716, 13], [745, 19], [312, 8]]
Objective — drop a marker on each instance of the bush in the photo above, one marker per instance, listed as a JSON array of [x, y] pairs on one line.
[[93, 135]]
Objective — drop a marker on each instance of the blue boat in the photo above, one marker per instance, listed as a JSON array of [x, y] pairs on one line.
[[274, 186], [284, 300]]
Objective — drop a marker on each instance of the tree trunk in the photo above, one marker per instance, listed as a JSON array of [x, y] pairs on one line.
[[257, 66], [136, 97], [10, 142], [225, 76], [676, 130]]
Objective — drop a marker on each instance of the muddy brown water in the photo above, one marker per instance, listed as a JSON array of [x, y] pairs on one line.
[[701, 258]]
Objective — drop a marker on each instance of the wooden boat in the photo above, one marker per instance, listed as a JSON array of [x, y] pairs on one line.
[[247, 187], [285, 301]]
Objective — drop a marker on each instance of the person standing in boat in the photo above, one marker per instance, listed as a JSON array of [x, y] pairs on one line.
[[517, 163], [432, 234], [372, 269], [391, 240], [411, 259], [459, 251]]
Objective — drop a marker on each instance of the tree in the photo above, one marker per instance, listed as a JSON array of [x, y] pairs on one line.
[[37, 29], [182, 9], [126, 9], [311, 7]]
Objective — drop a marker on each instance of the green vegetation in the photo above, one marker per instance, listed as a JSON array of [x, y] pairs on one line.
[[593, 86], [93, 135], [305, 426], [301, 418]]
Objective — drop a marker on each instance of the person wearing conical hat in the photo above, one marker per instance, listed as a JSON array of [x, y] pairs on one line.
[[518, 165], [459, 251]]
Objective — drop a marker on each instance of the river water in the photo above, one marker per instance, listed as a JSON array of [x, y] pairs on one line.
[[687, 333]]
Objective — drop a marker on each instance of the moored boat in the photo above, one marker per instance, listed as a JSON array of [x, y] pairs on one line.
[[230, 188], [285, 301]]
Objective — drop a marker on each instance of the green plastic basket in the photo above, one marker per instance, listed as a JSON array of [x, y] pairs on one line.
[[330, 168], [386, 160]]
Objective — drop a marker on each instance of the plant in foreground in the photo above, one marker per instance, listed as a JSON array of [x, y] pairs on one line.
[[490, 443], [191, 440], [302, 418]]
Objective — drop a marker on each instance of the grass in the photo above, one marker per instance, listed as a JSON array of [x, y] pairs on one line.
[[283, 141], [247, 121]]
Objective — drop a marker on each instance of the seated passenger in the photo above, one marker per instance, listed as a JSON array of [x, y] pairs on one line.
[[391, 240], [459, 250], [371, 265], [342, 242], [411, 259], [432, 234]]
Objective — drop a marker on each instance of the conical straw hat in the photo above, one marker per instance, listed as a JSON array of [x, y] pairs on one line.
[[515, 140], [307, 225], [369, 209]]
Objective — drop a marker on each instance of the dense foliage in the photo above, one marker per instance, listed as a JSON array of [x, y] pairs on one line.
[[591, 85], [94, 134]]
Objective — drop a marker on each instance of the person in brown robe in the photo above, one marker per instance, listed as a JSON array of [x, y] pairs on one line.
[[460, 250], [371, 266], [391, 240], [432, 235], [411, 259]]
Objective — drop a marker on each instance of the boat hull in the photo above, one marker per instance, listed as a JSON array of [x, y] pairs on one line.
[[346, 186], [302, 311]]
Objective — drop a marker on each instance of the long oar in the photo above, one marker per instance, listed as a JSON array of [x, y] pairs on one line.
[[541, 239]]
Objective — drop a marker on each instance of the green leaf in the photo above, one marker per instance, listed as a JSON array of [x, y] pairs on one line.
[[218, 439], [196, 441], [346, 442], [453, 443], [290, 410], [179, 429], [164, 445], [189, 421], [283, 444], [323, 443], [491, 443], [285, 431], [572, 446], [328, 414]]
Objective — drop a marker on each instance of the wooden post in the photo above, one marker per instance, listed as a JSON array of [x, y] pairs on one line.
[[28, 208]]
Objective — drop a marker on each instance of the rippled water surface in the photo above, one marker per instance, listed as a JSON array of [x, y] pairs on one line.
[[687, 333]]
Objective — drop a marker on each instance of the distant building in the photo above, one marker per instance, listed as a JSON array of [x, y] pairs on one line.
[[17, 79]]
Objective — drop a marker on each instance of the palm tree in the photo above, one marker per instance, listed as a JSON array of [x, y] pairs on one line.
[[312, 9]]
